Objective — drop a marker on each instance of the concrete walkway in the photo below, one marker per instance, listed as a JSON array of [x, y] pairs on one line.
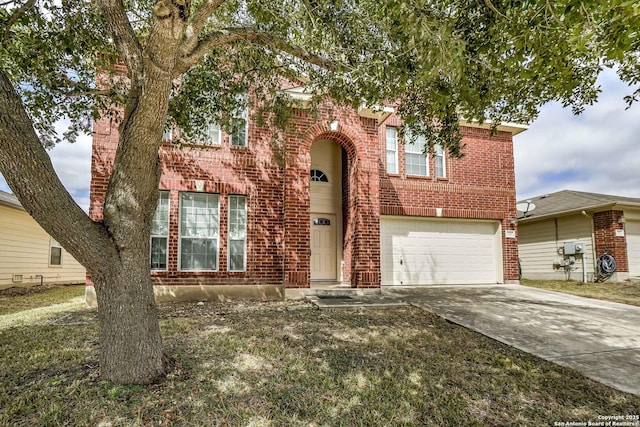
[[601, 339]]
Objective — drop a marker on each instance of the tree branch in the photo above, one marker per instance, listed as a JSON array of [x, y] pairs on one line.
[[17, 14], [233, 35], [491, 6], [124, 37], [42, 194], [195, 27]]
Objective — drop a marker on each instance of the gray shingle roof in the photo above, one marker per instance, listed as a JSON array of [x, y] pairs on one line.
[[566, 201], [9, 199]]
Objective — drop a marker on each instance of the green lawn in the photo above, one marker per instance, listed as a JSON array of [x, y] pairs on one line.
[[624, 292], [289, 364]]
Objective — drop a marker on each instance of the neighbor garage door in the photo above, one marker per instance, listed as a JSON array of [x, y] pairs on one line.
[[416, 251], [633, 246]]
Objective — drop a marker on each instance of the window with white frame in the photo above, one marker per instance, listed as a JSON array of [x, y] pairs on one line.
[[392, 149], [210, 135], [415, 160], [167, 134], [237, 233], [441, 169], [199, 231], [160, 233], [240, 123], [55, 253]]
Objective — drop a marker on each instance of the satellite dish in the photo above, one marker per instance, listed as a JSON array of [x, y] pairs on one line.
[[525, 207]]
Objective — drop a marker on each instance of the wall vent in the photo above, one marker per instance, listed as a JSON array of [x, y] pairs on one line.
[[17, 278]]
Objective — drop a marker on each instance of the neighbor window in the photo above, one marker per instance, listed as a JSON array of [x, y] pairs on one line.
[[415, 159], [239, 123], [199, 225], [55, 253], [392, 149], [160, 233], [237, 233], [441, 170]]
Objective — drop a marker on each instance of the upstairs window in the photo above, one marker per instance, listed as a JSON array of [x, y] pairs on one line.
[[392, 149], [210, 135], [415, 160], [160, 233], [318, 176], [167, 134], [240, 123], [441, 170]]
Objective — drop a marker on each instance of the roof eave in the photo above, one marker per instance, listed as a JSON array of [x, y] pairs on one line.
[[578, 210], [12, 205]]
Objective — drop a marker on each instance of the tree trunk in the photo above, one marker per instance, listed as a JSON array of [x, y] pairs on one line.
[[131, 349], [115, 250]]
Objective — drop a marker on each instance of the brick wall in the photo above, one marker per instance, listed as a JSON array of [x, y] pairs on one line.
[[605, 225], [479, 186], [225, 170], [361, 249]]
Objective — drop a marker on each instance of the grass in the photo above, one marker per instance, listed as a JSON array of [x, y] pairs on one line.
[[623, 292], [288, 364], [41, 297]]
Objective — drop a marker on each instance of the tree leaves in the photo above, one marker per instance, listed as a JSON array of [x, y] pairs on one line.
[[436, 60]]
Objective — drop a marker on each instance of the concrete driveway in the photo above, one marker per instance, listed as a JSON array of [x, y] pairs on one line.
[[601, 339]]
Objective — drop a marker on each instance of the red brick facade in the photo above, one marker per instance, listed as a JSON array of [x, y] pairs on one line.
[[605, 225], [276, 183]]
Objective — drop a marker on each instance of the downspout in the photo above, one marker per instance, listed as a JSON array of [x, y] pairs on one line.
[[593, 245]]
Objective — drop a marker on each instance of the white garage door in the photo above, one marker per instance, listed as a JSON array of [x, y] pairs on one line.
[[633, 246], [416, 251]]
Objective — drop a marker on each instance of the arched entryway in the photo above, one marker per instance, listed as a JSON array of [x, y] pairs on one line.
[[341, 163], [327, 191]]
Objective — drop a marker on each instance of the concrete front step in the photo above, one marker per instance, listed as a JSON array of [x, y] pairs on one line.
[[328, 291]]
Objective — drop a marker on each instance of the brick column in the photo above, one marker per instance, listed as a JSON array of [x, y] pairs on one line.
[[365, 214], [605, 226]]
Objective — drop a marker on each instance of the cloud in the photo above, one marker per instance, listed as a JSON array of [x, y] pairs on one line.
[[596, 151]]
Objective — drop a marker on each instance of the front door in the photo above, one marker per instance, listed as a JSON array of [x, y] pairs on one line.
[[323, 247]]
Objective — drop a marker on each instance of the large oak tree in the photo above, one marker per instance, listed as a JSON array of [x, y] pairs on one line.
[[186, 61]]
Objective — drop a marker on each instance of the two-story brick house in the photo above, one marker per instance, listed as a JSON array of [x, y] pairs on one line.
[[338, 199]]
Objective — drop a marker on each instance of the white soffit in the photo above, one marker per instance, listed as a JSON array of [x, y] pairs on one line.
[[513, 128], [300, 94], [379, 112]]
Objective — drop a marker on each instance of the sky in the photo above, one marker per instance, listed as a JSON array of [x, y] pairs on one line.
[[597, 151]]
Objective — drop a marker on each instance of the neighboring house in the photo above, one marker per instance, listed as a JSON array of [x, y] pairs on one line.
[[28, 256], [598, 222], [338, 199]]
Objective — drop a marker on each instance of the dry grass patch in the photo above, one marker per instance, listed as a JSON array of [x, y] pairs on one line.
[[624, 292], [288, 364]]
